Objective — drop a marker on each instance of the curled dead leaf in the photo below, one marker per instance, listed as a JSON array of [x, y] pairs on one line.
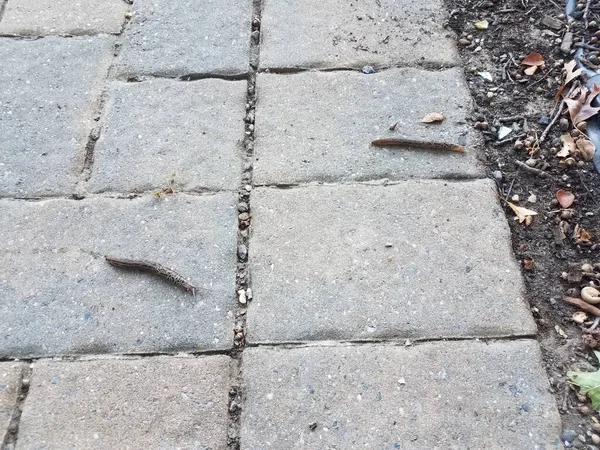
[[570, 75], [585, 149], [581, 235], [528, 264], [590, 295], [565, 198], [568, 146], [581, 109], [522, 213], [579, 317], [433, 118]]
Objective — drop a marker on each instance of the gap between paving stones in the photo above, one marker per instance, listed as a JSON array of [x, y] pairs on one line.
[[12, 433]]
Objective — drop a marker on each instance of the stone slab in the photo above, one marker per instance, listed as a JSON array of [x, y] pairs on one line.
[[10, 385], [342, 34], [59, 296], [159, 128], [443, 395], [152, 403], [63, 17], [322, 267], [49, 89], [319, 126], [177, 37]]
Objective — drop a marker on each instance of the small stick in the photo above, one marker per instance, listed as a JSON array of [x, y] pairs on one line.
[[553, 121], [594, 325], [504, 141], [583, 305], [539, 172], [510, 118], [586, 46], [399, 142], [586, 11], [158, 269]]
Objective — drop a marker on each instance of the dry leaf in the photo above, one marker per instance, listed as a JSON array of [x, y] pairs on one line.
[[570, 76], [565, 198], [560, 331], [482, 25], [530, 70], [433, 117], [522, 213], [568, 146], [528, 264], [581, 236], [579, 317], [581, 109], [586, 148]]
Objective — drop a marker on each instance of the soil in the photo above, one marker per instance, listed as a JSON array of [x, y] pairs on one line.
[[516, 29]]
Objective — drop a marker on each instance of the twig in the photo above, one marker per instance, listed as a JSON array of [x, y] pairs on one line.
[[594, 325], [506, 10], [510, 118], [553, 121], [586, 11], [586, 46], [541, 79], [400, 142], [587, 189], [504, 141], [505, 72], [583, 305], [508, 192], [539, 172]]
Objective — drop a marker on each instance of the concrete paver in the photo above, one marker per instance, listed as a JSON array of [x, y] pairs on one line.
[[64, 17], [341, 34], [161, 127], [152, 403], [49, 89], [10, 382], [319, 126], [419, 259], [442, 395], [60, 296], [177, 37]]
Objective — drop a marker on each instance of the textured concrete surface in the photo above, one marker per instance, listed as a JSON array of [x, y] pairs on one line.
[[10, 382], [60, 296], [72, 17], [177, 37], [420, 259], [454, 395], [152, 403], [161, 127], [341, 34], [319, 126], [49, 89]]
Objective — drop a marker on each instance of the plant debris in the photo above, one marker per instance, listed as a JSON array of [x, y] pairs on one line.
[[588, 383]]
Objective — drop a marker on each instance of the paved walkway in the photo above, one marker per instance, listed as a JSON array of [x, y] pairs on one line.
[[230, 141]]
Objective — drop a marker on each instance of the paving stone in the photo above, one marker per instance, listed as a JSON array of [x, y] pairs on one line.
[[449, 271], [61, 297], [48, 97], [341, 34], [10, 382], [162, 127], [319, 126], [443, 395], [150, 403], [176, 37], [72, 17]]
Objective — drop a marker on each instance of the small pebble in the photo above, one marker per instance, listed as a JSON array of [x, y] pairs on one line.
[[596, 427], [242, 296], [242, 207], [368, 69], [532, 198], [497, 174], [481, 125], [569, 436], [595, 439], [585, 410], [249, 293], [563, 124], [242, 252]]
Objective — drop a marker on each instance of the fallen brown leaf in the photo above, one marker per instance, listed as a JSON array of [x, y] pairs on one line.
[[570, 76], [522, 213], [580, 109], [581, 235], [586, 148], [565, 198], [568, 146], [528, 264], [433, 117]]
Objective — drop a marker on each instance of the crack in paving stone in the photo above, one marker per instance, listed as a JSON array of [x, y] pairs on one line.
[[12, 435], [243, 288]]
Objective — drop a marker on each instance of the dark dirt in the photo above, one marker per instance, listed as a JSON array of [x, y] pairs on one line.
[[515, 31]]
